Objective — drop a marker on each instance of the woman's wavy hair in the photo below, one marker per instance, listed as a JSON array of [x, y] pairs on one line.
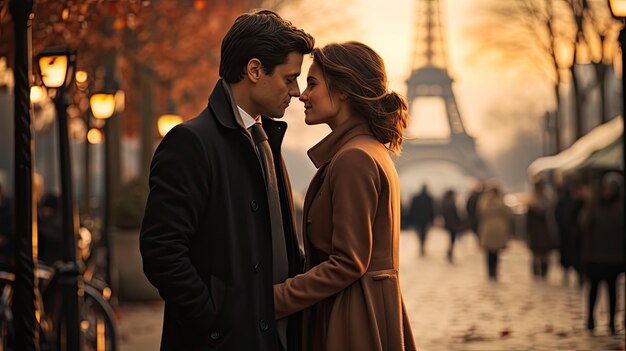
[[356, 70]]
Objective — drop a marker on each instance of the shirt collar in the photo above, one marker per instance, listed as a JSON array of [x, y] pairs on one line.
[[248, 121]]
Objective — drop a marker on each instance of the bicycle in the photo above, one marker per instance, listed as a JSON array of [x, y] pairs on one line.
[[98, 330]]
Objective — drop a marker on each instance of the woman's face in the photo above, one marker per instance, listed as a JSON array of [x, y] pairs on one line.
[[320, 105]]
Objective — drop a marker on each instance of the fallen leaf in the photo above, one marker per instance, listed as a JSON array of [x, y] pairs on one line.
[[505, 333]]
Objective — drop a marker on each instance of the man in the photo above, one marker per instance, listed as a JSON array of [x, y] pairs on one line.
[[218, 230], [423, 215]]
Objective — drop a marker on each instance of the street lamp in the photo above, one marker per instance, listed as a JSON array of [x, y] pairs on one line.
[[82, 80], [56, 66], [169, 120], [166, 122], [618, 8], [564, 54], [94, 136], [102, 105], [37, 94]]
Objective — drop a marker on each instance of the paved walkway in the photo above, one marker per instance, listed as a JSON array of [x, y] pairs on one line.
[[454, 306]]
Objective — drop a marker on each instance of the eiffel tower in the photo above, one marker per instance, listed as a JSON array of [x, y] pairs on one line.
[[430, 78]]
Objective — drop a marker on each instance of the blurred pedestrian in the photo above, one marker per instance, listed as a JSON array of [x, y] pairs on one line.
[[541, 230], [350, 293], [603, 244], [567, 210], [451, 219], [471, 207], [422, 214], [494, 225]]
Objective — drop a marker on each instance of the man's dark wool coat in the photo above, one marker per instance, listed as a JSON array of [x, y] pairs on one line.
[[206, 240]]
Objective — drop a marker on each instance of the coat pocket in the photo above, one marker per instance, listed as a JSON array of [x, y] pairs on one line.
[[226, 311], [381, 290], [382, 276], [225, 304], [217, 290]]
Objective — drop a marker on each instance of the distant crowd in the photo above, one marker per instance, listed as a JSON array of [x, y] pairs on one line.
[[583, 219]]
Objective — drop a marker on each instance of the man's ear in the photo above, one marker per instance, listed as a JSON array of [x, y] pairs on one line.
[[254, 70]]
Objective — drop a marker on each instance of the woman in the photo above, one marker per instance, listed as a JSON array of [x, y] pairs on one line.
[[350, 293], [494, 221]]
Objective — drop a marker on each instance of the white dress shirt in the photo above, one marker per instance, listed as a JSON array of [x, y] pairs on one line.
[[248, 121]]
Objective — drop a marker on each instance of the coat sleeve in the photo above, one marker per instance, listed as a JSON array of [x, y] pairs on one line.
[[179, 183], [355, 184]]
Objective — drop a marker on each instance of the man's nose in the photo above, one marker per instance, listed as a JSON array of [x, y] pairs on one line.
[[295, 92]]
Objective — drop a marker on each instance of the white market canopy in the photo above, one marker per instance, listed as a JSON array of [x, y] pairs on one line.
[[600, 148]]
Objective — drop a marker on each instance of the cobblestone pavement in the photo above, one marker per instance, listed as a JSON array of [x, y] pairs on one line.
[[454, 307]]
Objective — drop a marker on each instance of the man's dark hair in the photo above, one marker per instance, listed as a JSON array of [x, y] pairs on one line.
[[264, 35]]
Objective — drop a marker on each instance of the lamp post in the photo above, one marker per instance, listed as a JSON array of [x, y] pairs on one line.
[[25, 285], [618, 9], [102, 105], [56, 67]]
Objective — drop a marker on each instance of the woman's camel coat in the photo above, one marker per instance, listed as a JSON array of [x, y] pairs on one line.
[[350, 293]]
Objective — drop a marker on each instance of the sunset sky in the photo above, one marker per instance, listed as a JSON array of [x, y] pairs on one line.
[[497, 101]]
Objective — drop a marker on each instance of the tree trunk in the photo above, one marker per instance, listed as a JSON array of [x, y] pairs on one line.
[[600, 69], [148, 118], [579, 98], [557, 116]]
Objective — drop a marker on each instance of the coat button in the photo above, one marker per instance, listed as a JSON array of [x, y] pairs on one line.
[[254, 205], [308, 221], [263, 325], [214, 335], [257, 267]]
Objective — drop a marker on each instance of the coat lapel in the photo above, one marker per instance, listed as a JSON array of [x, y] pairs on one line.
[[323, 152]]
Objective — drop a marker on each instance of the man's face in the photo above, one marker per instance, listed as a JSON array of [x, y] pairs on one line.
[[273, 92]]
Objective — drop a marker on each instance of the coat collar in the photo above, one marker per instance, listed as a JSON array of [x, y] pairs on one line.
[[324, 151], [224, 107]]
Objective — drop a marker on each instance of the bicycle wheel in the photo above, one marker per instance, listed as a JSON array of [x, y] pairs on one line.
[[4, 330], [98, 325], [6, 316]]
